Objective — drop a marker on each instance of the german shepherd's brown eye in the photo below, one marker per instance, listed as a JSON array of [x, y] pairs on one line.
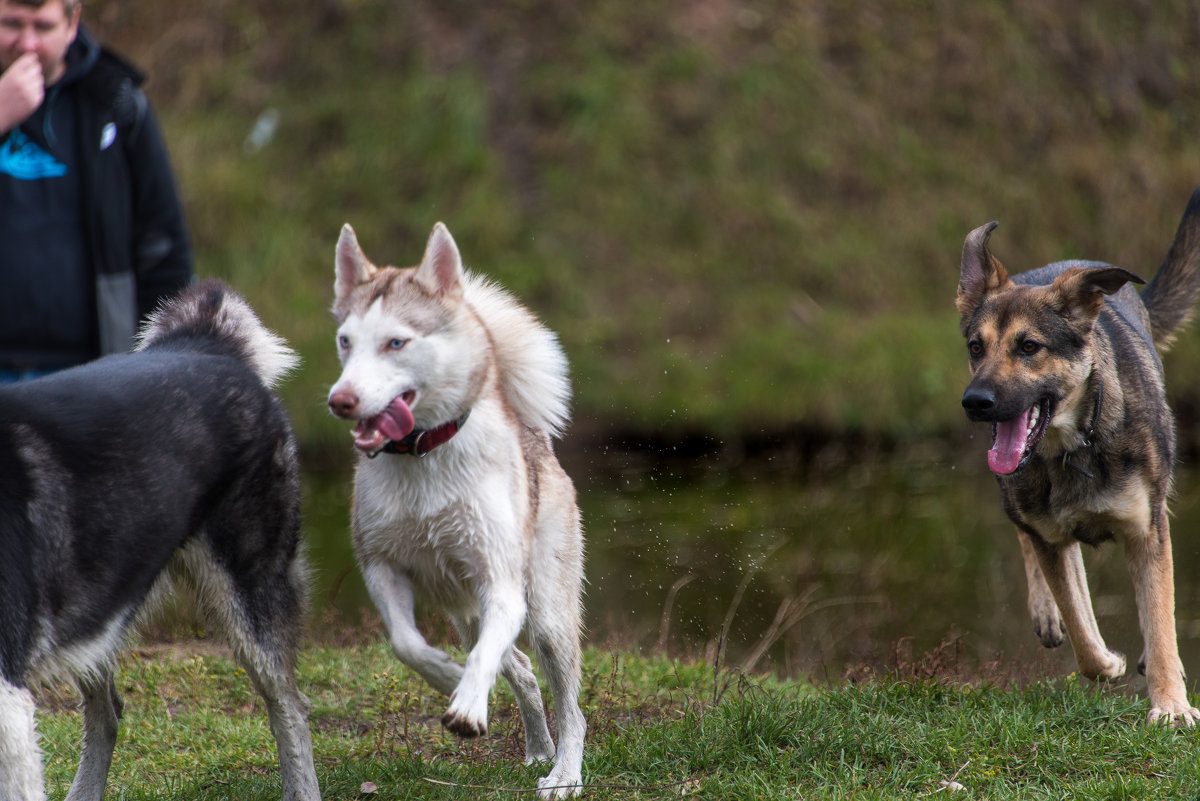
[[975, 348], [1029, 347]]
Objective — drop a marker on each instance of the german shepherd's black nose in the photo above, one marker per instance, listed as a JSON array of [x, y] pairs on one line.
[[978, 401]]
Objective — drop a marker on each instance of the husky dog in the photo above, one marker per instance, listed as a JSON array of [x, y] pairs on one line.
[[175, 463], [1065, 367], [457, 392]]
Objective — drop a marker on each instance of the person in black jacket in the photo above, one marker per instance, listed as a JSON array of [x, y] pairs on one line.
[[92, 232]]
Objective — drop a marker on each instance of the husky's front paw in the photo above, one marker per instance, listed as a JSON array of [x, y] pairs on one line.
[[467, 715], [560, 785], [1174, 713], [464, 726]]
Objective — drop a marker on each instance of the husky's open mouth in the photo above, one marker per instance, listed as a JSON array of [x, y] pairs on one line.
[[1013, 441], [393, 423]]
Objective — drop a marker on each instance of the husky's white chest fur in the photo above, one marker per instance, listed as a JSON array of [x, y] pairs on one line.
[[447, 519]]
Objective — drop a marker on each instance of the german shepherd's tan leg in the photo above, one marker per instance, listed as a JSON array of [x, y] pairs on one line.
[[1047, 622], [1150, 566], [1062, 567]]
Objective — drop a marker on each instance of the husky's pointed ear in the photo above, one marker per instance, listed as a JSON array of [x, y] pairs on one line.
[[1081, 290], [350, 267], [980, 272], [441, 269]]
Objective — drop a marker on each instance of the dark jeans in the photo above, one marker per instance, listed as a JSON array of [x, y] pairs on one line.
[[12, 376]]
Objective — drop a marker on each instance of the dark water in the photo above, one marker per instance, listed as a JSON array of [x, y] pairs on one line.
[[817, 568]]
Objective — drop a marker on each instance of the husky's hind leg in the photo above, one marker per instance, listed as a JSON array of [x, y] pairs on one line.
[[539, 747], [101, 712], [555, 623], [20, 757]]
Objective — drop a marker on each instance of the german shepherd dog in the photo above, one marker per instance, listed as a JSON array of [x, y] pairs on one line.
[[172, 465], [1065, 366], [457, 392]]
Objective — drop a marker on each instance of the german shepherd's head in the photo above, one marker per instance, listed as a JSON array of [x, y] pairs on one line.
[[1030, 347]]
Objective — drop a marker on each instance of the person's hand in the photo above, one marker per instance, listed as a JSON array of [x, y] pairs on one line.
[[22, 88]]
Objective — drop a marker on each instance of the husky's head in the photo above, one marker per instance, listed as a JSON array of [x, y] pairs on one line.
[[1029, 348], [404, 339]]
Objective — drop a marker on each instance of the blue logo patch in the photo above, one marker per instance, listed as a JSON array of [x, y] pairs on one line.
[[21, 158]]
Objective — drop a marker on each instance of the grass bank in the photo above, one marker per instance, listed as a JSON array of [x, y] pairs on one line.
[[739, 216], [194, 729]]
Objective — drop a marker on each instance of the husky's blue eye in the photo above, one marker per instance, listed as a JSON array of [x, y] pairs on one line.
[[397, 343], [343, 342]]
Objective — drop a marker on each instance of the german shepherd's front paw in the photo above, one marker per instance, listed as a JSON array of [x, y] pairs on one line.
[[1174, 713], [1102, 666], [1048, 626]]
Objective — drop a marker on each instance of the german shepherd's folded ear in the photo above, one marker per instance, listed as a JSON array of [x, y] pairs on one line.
[[1081, 290], [980, 273]]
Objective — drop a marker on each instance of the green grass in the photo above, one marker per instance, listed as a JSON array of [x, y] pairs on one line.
[[193, 729]]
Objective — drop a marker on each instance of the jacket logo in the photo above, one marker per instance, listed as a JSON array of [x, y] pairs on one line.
[[21, 158]]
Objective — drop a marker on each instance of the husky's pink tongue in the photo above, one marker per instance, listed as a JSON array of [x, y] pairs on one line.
[[393, 423], [1009, 444], [397, 420]]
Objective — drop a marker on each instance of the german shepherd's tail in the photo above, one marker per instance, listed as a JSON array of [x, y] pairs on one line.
[[209, 311], [1170, 297]]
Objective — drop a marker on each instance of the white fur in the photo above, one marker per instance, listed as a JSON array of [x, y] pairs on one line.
[[533, 367], [269, 353], [460, 526], [85, 659], [20, 757]]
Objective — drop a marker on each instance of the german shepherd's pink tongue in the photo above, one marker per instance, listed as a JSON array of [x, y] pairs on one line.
[[393, 423], [1008, 446]]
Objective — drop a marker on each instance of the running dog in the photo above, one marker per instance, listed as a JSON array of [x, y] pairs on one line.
[[174, 464], [457, 391], [1065, 366]]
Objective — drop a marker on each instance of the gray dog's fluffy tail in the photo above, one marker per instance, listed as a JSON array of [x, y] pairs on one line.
[[1170, 297], [212, 311]]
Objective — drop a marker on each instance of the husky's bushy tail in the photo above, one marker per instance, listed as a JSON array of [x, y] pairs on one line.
[[533, 368], [1170, 297], [211, 310]]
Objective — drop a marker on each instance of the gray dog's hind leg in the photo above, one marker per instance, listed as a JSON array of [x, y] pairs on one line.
[[101, 713]]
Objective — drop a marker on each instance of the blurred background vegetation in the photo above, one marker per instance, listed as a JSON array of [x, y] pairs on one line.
[[743, 219]]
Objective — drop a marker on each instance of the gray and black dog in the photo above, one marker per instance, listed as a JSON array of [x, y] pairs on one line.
[[175, 464], [1065, 366]]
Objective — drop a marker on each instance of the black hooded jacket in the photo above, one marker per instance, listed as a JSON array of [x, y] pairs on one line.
[[92, 233]]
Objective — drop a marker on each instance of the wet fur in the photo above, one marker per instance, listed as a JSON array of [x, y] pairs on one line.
[[174, 465], [485, 527], [1102, 470]]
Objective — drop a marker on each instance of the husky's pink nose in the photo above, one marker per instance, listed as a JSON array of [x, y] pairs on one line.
[[343, 403]]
